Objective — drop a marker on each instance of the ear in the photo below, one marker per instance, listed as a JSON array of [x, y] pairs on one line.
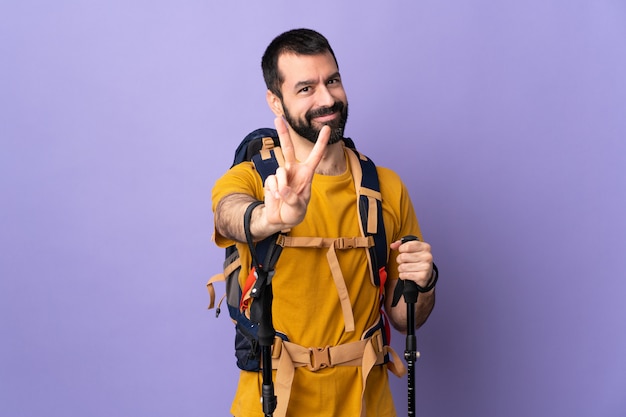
[[276, 105]]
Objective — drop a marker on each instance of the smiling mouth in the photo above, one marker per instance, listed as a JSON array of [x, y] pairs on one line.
[[326, 117], [326, 114]]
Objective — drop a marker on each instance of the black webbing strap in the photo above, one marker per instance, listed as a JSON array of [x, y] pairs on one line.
[[247, 218], [399, 290], [266, 250]]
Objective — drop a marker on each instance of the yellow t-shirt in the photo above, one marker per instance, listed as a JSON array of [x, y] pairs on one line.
[[306, 304]]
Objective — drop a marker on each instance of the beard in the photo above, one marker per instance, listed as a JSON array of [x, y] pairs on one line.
[[305, 128]]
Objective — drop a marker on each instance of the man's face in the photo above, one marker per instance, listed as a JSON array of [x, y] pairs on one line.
[[313, 95]]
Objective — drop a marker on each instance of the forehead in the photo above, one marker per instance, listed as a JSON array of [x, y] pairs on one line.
[[296, 68]]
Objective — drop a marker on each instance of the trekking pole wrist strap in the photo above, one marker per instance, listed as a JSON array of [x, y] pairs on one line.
[[432, 281], [247, 218], [399, 290]]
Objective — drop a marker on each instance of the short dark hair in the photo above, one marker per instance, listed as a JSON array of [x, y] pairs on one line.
[[296, 41]]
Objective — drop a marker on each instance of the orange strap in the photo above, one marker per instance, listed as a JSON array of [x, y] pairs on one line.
[[333, 244], [367, 353], [209, 287]]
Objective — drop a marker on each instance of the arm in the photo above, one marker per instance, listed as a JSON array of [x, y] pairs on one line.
[[415, 263], [229, 214], [287, 194]]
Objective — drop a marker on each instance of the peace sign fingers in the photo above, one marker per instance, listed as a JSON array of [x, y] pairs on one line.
[[286, 144], [288, 191], [319, 148], [285, 140]]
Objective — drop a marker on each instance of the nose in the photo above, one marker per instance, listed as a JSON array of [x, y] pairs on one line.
[[324, 97]]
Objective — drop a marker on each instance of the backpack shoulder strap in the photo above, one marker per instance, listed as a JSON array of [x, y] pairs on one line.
[[371, 222], [252, 144], [267, 158]]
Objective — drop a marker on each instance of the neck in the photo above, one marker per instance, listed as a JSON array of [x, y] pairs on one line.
[[333, 162]]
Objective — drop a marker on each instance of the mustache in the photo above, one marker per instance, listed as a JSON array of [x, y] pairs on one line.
[[325, 111]]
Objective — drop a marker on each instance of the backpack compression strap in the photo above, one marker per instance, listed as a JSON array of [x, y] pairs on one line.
[[333, 244]]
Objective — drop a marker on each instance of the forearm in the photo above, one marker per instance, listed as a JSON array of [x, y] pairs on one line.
[[229, 215], [398, 313]]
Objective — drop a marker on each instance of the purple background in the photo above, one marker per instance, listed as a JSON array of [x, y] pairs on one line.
[[507, 121]]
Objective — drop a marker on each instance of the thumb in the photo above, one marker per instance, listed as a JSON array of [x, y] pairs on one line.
[[395, 245]]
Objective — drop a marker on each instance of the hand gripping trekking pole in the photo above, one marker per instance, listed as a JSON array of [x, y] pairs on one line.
[[410, 290]]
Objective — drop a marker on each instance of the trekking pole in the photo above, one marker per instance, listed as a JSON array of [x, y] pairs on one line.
[[261, 310], [410, 351], [411, 291], [264, 296]]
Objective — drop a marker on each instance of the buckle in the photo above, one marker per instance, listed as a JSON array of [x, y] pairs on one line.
[[377, 341], [346, 243], [320, 358], [277, 347]]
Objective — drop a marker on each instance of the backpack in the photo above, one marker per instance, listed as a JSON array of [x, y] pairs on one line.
[[262, 147]]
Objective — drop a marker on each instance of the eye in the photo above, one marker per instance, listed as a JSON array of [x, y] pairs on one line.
[[304, 90], [334, 81]]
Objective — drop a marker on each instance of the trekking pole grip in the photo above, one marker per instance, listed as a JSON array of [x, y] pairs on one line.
[[411, 289]]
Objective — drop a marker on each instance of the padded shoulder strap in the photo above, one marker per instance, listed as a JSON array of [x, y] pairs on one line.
[[266, 161], [370, 211], [250, 145]]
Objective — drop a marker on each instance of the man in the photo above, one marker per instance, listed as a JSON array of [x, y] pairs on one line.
[[313, 194]]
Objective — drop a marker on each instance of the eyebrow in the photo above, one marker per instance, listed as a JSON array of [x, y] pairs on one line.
[[305, 83]]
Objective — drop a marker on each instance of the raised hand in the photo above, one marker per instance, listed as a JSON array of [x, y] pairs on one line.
[[287, 193]]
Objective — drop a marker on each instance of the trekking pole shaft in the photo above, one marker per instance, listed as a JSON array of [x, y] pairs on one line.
[[266, 339], [410, 354], [267, 390]]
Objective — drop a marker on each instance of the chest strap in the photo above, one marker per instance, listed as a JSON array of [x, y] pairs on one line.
[[332, 244], [366, 353]]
